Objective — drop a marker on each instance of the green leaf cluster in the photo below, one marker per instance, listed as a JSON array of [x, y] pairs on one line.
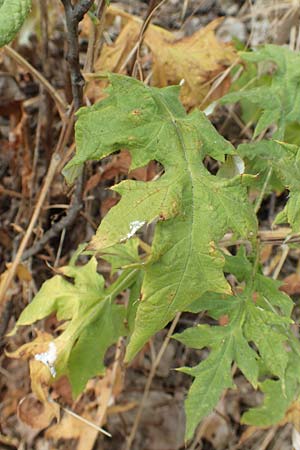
[[184, 269], [92, 320], [280, 100], [12, 16], [284, 161], [255, 340], [277, 102]]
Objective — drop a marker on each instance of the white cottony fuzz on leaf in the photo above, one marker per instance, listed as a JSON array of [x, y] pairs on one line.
[[239, 164], [296, 439], [210, 108], [134, 226], [182, 82], [48, 358]]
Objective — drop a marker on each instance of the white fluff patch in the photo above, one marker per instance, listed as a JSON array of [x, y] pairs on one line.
[[296, 439], [48, 358], [134, 226]]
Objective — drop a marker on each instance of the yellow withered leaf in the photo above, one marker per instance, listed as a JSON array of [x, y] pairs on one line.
[[198, 59], [39, 371], [41, 377], [113, 57]]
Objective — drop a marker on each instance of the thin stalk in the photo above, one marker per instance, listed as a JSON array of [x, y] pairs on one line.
[[62, 106], [263, 191], [12, 270], [149, 382]]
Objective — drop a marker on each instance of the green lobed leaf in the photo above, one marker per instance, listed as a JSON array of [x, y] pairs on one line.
[[12, 16], [93, 322], [284, 159], [267, 331], [277, 397], [228, 344], [194, 209], [279, 102], [255, 338], [86, 357], [211, 377], [248, 324], [63, 297]]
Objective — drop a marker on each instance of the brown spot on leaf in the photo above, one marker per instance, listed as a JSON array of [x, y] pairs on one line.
[[224, 320]]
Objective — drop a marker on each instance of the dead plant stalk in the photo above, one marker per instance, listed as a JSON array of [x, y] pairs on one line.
[[149, 381], [12, 270]]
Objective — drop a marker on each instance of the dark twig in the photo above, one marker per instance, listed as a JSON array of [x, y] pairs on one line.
[[4, 320], [81, 8], [57, 227], [74, 14]]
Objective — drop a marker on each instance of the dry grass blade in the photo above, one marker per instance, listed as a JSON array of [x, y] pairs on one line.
[[62, 106], [87, 422], [149, 382], [285, 252], [146, 23], [48, 180]]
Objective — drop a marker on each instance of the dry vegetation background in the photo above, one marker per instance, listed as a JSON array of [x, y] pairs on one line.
[[161, 43]]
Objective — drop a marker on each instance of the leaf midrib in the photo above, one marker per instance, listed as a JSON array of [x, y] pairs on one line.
[[180, 138]]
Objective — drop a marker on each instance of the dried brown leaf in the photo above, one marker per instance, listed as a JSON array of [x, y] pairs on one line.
[[198, 59], [41, 377], [68, 428], [35, 413], [291, 284]]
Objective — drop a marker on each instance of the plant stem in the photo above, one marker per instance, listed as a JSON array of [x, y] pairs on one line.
[[263, 191], [123, 282], [95, 37]]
